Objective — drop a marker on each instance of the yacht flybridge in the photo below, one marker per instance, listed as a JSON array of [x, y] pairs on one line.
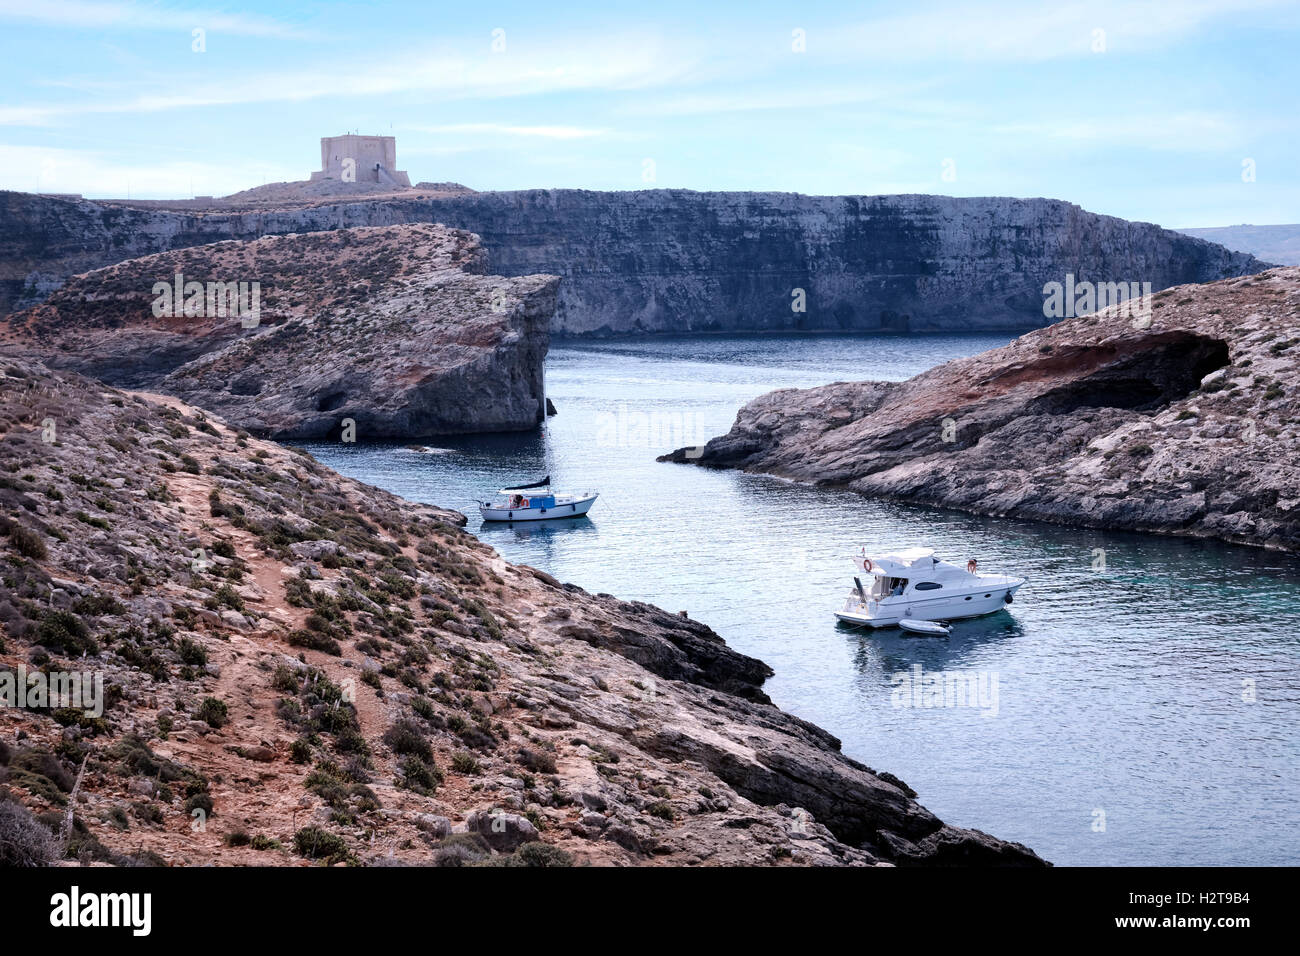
[[535, 502], [914, 585]]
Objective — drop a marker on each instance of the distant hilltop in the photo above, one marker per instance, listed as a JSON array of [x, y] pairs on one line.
[[317, 191], [352, 167], [1280, 244]]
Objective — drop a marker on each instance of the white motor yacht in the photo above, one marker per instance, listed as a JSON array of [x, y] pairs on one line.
[[915, 585]]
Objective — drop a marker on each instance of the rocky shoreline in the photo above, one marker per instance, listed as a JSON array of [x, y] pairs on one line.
[[301, 668], [1184, 421]]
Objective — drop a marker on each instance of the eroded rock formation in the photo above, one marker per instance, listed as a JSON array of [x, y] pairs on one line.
[[1184, 423], [398, 329]]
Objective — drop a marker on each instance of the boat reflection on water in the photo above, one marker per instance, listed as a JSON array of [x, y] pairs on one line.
[[891, 650], [537, 531]]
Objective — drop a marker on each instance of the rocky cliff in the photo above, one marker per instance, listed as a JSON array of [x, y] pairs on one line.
[[397, 329], [1183, 421], [680, 261], [301, 668]]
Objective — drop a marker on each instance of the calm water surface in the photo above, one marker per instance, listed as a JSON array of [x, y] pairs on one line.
[[1120, 732]]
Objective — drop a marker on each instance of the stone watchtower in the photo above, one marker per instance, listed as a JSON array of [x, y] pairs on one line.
[[360, 159]]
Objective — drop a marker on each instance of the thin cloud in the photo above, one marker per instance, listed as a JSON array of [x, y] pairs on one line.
[[812, 98], [97, 173], [1029, 31], [1185, 131], [83, 15], [611, 64], [501, 129]]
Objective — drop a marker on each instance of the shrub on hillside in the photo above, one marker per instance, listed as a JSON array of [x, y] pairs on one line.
[[318, 844], [406, 738], [212, 711], [66, 632], [536, 853], [461, 849], [192, 653], [26, 542], [24, 840]]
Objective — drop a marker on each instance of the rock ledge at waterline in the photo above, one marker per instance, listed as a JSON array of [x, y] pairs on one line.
[[333, 673], [398, 328], [1188, 426]]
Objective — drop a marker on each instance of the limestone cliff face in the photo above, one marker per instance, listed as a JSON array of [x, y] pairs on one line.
[[680, 261], [656, 261], [396, 328], [1184, 422]]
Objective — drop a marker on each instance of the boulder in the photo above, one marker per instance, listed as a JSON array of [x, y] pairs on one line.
[[504, 832]]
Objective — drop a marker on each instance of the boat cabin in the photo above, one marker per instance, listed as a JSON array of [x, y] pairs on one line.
[[526, 497], [522, 500], [906, 572]]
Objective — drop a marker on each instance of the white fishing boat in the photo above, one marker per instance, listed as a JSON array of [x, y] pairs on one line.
[[914, 585], [535, 502]]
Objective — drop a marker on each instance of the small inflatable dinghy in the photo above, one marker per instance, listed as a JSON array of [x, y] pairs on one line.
[[928, 628]]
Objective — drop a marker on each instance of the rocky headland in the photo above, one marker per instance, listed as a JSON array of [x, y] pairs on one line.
[[1184, 421], [398, 329], [301, 668], [671, 260]]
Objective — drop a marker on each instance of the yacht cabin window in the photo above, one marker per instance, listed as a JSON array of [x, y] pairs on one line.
[[888, 587]]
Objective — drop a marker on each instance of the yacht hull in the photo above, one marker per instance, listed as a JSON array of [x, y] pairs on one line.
[[890, 611]]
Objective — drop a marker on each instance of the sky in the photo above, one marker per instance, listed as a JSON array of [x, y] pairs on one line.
[[1179, 112]]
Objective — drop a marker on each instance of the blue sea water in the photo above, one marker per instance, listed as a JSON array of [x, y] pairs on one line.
[[1145, 712]]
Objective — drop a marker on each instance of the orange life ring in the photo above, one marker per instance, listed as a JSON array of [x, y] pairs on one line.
[[523, 502], [866, 564]]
